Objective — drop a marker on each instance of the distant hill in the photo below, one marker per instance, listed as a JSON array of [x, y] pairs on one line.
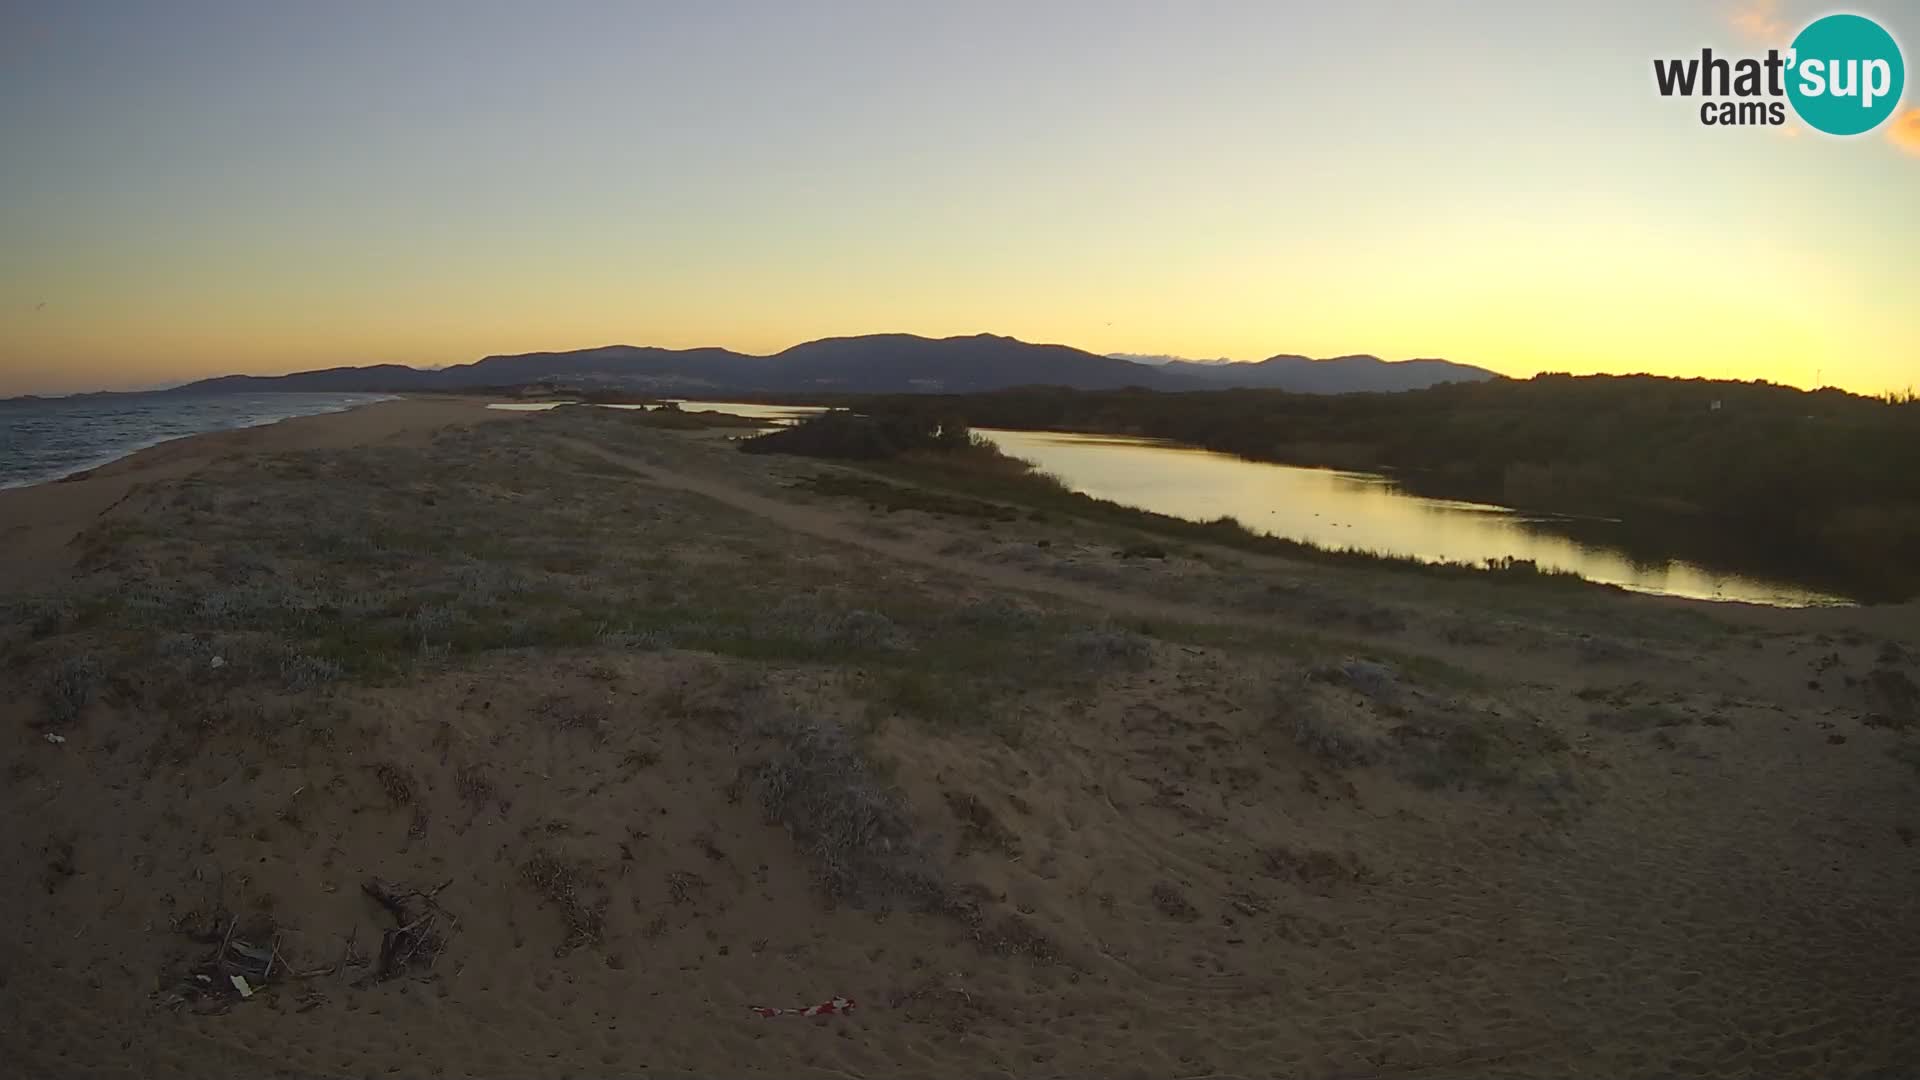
[[870, 364], [1159, 359], [877, 363], [1339, 375]]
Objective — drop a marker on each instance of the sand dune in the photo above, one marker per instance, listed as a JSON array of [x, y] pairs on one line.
[[668, 736]]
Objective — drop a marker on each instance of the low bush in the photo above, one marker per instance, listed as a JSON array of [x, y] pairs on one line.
[[815, 783]]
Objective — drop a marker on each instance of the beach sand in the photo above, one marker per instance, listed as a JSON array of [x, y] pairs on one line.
[[666, 735]]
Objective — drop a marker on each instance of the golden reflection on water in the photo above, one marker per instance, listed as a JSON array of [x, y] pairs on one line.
[[1357, 510], [1331, 508]]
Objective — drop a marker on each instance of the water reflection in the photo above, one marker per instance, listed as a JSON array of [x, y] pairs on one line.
[[1337, 509], [1364, 511], [528, 406], [778, 414]]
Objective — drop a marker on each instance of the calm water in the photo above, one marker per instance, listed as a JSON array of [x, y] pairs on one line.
[[1339, 509], [1361, 510], [774, 415], [47, 439]]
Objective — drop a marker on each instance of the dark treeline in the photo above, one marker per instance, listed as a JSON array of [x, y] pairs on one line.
[[1821, 485], [874, 436]]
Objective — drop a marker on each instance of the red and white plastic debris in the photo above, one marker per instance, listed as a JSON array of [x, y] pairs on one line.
[[837, 1007]]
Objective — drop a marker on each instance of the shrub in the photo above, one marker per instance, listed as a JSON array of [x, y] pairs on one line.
[[1171, 902], [1336, 743], [996, 613], [1896, 690], [803, 619], [1461, 749], [818, 786], [980, 828], [1313, 866], [1108, 646], [1376, 681], [69, 688]]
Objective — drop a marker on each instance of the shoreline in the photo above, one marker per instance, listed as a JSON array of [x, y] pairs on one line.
[[125, 452], [43, 518]]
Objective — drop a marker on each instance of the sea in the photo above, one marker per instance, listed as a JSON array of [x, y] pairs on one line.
[[44, 439]]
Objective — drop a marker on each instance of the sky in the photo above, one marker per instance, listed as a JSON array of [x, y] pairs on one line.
[[190, 189]]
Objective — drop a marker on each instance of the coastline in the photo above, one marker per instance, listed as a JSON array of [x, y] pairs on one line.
[[43, 518], [121, 453]]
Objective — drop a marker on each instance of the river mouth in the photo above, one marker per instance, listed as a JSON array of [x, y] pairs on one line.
[[1360, 511]]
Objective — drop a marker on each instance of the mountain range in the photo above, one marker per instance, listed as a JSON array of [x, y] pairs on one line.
[[1339, 375], [875, 363]]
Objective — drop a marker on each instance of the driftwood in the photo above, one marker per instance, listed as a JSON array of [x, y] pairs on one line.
[[421, 931], [248, 960], [237, 970]]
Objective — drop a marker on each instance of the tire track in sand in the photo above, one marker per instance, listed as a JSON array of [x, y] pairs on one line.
[[828, 526]]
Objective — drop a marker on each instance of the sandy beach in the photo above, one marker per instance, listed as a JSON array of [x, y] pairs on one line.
[[642, 733]]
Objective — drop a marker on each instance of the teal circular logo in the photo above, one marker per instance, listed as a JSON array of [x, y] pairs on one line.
[[1846, 74]]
